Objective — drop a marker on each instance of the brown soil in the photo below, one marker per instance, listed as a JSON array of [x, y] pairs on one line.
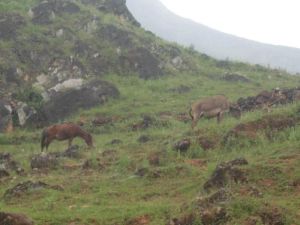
[[268, 125]]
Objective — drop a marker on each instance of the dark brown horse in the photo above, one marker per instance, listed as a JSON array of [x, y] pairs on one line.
[[65, 131]]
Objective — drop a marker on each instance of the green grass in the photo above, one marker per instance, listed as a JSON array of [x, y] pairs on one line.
[[115, 194]]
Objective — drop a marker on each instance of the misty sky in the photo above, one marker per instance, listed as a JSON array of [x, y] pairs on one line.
[[269, 21]]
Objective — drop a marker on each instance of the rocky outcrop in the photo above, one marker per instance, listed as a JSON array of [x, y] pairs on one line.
[[269, 98], [45, 12], [63, 104], [9, 25], [119, 37], [143, 62], [117, 7]]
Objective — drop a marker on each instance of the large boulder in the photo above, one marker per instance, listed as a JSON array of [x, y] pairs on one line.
[[63, 104]]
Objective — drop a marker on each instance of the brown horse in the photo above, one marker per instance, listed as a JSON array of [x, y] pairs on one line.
[[65, 131], [214, 106]]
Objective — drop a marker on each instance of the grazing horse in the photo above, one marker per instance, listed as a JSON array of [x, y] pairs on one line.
[[65, 131], [214, 106]]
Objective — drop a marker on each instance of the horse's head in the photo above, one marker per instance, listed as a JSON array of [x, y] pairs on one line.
[[89, 140], [235, 111]]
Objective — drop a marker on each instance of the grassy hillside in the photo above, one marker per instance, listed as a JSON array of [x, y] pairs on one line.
[[112, 192], [134, 176]]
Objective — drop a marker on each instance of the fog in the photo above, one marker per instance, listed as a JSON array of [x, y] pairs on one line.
[[269, 21]]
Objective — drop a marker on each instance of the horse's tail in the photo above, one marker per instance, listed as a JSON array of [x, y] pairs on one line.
[[190, 113], [43, 139]]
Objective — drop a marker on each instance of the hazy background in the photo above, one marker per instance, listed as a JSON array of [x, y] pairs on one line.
[[247, 31], [274, 22]]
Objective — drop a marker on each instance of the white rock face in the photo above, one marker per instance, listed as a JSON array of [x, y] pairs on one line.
[[30, 13], [177, 61], [59, 32], [42, 79], [68, 84], [24, 112]]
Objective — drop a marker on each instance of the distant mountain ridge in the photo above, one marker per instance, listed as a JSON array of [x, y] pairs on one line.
[[154, 16]]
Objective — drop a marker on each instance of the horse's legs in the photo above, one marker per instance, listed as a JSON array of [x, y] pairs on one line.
[[220, 117], [70, 142], [196, 118], [47, 142]]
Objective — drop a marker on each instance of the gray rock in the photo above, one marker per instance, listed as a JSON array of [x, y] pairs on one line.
[[9, 25], [63, 104], [44, 161], [45, 12]]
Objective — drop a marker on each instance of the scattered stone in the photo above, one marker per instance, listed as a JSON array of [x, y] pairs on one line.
[[101, 120], [222, 195], [238, 162], [272, 216], [7, 164], [44, 161], [251, 191], [225, 172], [14, 219], [208, 143], [141, 172], [274, 97], [182, 145], [27, 186], [116, 142], [3, 173], [72, 152], [143, 139], [216, 215]]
